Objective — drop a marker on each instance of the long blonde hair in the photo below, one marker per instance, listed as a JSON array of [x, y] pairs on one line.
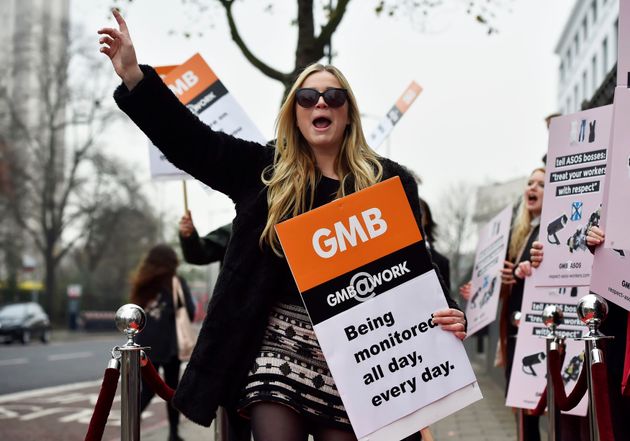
[[522, 226], [293, 173]]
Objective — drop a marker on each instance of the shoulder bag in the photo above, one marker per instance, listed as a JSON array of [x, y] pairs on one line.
[[186, 337]]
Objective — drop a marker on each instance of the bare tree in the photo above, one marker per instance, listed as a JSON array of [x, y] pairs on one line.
[[9, 242], [54, 124], [318, 20], [456, 228], [116, 235]]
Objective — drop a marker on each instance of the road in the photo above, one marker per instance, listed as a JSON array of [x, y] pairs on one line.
[[39, 365], [49, 391]]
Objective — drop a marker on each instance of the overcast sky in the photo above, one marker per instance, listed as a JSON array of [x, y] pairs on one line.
[[480, 118]]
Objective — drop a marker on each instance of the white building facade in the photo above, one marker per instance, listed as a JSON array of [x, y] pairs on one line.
[[26, 27], [32, 32], [587, 48]]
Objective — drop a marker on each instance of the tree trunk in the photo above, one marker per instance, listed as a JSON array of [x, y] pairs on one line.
[[50, 280], [307, 50], [12, 266]]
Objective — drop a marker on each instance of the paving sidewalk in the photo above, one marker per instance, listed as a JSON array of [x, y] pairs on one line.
[[61, 335], [187, 430], [485, 420]]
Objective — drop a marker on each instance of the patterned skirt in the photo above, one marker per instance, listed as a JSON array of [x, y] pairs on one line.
[[290, 369]]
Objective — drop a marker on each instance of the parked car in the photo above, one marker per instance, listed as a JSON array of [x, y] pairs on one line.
[[23, 322]]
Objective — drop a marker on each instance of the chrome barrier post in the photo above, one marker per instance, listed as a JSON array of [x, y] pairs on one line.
[[592, 310], [130, 320], [552, 317]]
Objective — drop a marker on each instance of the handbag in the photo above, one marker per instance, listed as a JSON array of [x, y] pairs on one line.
[[186, 337]]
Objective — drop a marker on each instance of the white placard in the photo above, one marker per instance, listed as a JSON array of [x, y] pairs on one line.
[[198, 87], [481, 309]]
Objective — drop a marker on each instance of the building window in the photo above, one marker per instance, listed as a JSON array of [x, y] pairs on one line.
[[568, 57], [561, 71], [594, 71], [576, 42], [585, 28], [576, 97], [594, 10], [605, 57]]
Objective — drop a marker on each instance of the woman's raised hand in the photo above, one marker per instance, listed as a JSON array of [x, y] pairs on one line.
[[117, 45], [186, 226]]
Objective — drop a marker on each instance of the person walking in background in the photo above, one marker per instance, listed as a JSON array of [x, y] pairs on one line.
[[257, 349], [203, 251], [152, 289]]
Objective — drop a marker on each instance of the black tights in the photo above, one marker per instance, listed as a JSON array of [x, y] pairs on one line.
[[171, 378], [276, 422]]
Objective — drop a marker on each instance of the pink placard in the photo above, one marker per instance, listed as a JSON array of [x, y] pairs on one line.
[[611, 276], [576, 165], [481, 309], [617, 186], [529, 370], [611, 265]]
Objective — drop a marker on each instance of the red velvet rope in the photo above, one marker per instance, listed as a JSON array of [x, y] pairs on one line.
[[103, 405], [602, 402], [151, 376], [563, 401], [542, 405]]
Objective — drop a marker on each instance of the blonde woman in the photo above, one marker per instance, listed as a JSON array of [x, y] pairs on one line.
[[517, 267], [256, 350]]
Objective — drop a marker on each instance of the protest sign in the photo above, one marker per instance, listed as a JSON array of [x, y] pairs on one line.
[[386, 125], [198, 87], [481, 309], [611, 276], [611, 264], [163, 71], [576, 165], [528, 377], [368, 284], [617, 186]]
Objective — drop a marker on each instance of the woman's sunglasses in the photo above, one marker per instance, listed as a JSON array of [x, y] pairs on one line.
[[334, 97]]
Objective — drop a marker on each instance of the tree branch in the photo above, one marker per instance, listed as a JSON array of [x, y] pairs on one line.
[[333, 23], [255, 61]]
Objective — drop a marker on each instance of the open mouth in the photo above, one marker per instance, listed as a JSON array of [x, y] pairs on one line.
[[321, 122], [532, 198]]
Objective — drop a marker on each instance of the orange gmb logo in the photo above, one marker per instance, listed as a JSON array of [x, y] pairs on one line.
[[347, 233], [189, 79]]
